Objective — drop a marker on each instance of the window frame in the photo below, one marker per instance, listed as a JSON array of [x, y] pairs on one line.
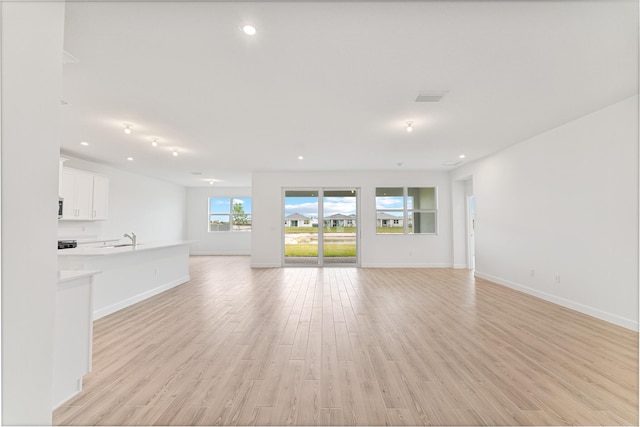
[[230, 215], [408, 212]]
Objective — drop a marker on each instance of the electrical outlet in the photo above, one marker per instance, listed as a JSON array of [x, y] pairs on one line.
[[557, 277], [532, 272]]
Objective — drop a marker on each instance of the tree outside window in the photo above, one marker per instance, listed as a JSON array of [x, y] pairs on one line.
[[229, 214]]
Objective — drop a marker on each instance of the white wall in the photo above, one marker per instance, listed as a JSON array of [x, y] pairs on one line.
[[218, 243], [565, 203], [155, 210], [32, 36], [375, 250]]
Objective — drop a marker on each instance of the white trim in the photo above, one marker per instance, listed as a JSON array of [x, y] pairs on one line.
[[219, 253], [265, 265], [404, 265], [63, 401], [469, 229], [97, 314], [576, 306], [321, 219], [460, 266]]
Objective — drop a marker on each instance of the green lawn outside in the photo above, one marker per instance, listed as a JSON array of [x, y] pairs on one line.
[[300, 230], [339, 230], [339, 250], [314, 230], [390, 230]]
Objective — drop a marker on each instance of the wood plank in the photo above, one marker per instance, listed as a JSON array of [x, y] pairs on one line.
[[348, 346], [309, 411]]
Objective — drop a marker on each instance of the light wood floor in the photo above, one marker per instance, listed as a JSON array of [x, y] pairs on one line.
[[347, 346]]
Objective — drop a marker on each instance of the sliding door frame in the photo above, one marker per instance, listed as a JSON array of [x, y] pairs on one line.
[[320, 194]]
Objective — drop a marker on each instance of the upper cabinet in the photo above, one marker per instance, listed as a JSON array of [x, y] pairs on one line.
[[100, 197], [86, 195]]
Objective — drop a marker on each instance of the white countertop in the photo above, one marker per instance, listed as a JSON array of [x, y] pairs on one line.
[[68, 275], [110, 250]]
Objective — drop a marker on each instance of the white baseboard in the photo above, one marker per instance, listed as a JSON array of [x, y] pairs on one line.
[[137, 298], [72, 395], [218, 253], [405, 265], [264, 265], [373, 265], [460, 266], [585, 309]]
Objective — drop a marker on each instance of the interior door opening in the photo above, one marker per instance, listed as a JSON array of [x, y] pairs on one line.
[[471, 238]]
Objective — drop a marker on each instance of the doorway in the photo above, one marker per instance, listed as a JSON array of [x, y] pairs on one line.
[[321, 227], [471, 233]]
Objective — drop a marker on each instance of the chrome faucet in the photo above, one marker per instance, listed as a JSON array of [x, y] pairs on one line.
[[132, 237]]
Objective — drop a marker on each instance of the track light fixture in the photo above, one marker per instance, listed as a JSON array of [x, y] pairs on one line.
[[154, 142], [127, 128], [409, 126]]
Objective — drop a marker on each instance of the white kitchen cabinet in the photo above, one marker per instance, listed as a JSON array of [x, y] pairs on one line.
[[86, 196], [76, 189], [100, 197]]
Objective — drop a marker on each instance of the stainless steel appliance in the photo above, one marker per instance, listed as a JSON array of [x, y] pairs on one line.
[[60, 206]]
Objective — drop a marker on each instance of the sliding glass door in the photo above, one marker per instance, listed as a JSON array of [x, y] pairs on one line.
[[301, 231], [339, 209], [320, 227]]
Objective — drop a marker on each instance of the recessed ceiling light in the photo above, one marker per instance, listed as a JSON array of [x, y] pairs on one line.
[[154, 142], [174, 152], [127, 128], [85, 143], [249, 29], [130, 159], [462, 156], [300, 157]]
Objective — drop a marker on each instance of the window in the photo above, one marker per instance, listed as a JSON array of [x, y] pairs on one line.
[[390, 210], [421, 210], [230, 214], [406, 210]]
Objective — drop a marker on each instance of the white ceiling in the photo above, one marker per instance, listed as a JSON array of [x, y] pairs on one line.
[[333, 81]]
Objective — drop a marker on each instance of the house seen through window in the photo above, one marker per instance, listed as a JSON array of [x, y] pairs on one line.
[[230, 214], [406, 210]]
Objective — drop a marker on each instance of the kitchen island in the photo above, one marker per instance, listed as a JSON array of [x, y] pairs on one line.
[[73, 333], [129, 274]]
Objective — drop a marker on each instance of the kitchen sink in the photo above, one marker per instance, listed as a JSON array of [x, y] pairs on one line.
[[118, 246]]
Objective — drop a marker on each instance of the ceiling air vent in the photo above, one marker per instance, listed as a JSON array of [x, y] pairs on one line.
[[451, 163], [430, 96]]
